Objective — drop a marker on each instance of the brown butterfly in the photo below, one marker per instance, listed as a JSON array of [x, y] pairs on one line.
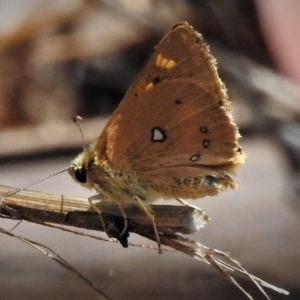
[[171, 137]]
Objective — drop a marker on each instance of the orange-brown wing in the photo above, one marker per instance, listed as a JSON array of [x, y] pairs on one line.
[[175, 114]]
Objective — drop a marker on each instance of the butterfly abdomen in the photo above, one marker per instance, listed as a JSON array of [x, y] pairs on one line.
[[193, 187]]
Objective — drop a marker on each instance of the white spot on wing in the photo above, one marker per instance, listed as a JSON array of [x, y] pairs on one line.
[[158, 135], [195, 157]]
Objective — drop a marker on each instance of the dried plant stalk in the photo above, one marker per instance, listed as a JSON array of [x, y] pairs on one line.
[[43, 208]]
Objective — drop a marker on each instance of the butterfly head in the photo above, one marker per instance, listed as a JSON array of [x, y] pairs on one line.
[[80, 166]]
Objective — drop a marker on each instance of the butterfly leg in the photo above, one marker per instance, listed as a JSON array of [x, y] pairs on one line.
[[187, 204], [125, 221], [151, 217], [111, 228], [97, 209]]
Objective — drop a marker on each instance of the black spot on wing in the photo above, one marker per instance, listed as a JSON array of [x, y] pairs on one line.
[[156, 80], [195, 157], [204, 129], [206, 143]]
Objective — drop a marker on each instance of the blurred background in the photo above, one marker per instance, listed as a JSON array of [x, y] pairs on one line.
[[64, 58]]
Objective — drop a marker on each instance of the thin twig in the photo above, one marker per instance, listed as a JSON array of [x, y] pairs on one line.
[[58, 259]]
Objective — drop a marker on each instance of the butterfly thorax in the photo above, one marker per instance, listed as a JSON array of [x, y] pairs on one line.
[[113, 184]]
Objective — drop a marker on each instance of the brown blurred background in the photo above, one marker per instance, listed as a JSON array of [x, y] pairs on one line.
[[59, 59]]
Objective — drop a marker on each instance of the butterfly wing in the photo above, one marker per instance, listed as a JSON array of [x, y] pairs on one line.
[[176, 114]]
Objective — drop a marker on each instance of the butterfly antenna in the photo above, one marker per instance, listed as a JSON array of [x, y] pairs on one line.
[[17, 190], [76, 120]]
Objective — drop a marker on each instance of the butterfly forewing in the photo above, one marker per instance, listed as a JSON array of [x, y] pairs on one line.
[[175, 115]]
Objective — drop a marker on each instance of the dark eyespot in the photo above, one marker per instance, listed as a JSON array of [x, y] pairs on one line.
[[206, 143], [155, 80], [204, 129], [177, 101], [80, 175], [195, 157]]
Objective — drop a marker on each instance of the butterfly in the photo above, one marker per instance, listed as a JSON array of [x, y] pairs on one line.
[[171, 137]]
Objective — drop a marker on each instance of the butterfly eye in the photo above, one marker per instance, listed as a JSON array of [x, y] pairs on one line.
[[80, 175]]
